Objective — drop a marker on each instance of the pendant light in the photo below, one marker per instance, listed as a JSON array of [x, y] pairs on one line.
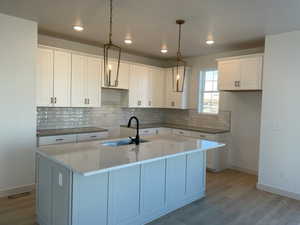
[[112, 55], [179, 70]]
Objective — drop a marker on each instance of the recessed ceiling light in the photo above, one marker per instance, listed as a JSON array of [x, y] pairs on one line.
[[128, 41], [78, 28], [210, 42], [164, 50]]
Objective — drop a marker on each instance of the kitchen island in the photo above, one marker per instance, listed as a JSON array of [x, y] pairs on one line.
[[96, 183]]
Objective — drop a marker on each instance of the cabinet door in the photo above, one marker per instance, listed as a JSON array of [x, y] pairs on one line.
[[62, 79], [94, 82], [124, 76], [175, 181], [169, 93], [229, 74], [251, 73], [138, 86], [195, 173], [44, 84], [79, 81], [150, 101], [158, 88], [124, 195]]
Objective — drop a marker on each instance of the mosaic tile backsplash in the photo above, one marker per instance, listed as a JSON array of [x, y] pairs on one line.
[[111, 115]]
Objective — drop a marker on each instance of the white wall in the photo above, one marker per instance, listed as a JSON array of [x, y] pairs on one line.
[[279, 165], [18, 42], [245, 110]]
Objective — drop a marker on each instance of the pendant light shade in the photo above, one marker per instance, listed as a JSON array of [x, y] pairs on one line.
[[112, 56], [179, 70]]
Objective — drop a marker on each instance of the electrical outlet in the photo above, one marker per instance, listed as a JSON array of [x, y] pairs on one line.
[[60, 179]]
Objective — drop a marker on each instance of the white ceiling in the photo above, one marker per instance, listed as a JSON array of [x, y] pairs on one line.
[[234, 24]]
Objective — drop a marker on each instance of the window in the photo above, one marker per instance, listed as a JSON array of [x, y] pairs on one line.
[[208, 92]]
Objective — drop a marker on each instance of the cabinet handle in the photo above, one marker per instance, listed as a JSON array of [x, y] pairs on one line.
[[55, 100], [93, 136], [59, 139], [181, 132], [202, 136], [173, 103], [146, 131], [85, 102], [51, 100], [139, 102], [239, 83], [88, 101], [149, 103]]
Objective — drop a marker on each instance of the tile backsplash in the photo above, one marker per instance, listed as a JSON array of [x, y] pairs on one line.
[[111, 115]]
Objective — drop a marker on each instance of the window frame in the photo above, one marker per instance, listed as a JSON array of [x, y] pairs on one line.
[[201, 92]]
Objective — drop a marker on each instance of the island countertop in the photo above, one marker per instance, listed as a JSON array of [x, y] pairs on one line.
[[91, 158]]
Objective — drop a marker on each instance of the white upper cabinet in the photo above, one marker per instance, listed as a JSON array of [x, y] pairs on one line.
[[44, 83], [62, 79], [138, 86], [94, 82], [157, 93], [240, 73], [123, 75], [177, 100], [86, 81], [79, 81], [53, 78]]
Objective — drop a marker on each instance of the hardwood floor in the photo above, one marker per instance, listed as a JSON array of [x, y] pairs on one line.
[[232, 199]]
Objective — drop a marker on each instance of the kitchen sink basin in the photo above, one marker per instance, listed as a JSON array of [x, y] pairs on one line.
[[121, 142]]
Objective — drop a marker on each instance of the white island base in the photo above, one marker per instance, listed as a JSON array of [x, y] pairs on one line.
[[134, 194]]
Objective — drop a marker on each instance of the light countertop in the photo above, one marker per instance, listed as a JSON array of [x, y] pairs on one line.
[[208, 130], [91, 158]]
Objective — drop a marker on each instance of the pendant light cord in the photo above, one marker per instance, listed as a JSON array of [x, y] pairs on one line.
[[110, 23]]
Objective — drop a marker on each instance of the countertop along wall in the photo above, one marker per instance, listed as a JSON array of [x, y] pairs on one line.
[[18, 44], [279, 149], [245, 108]]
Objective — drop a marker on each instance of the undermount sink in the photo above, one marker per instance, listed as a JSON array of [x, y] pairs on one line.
[[121, 142]]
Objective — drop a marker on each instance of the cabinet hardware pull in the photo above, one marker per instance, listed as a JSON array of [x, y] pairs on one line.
[[59, 139], [139, 102], [93, 136], [51, 100], [88, 101], [55, 100], [149, 103], [173, 103]]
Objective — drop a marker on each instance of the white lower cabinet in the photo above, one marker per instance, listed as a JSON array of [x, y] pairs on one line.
[[71, 138], [216, 159], [57, 139], [132, 195]]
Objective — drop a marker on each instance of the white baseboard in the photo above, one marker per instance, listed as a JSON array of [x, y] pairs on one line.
[[17, 190], [244, 170], [278, 191]]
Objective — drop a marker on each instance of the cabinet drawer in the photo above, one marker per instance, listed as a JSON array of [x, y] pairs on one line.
[[149, 131], [181, 132], [91, 136], [58, 139], [201, 135]]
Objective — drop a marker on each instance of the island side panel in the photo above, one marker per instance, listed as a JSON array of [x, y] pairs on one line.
[[90, 199], [53, 192]]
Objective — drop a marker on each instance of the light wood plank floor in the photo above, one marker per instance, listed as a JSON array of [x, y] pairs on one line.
[[232, 199]]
